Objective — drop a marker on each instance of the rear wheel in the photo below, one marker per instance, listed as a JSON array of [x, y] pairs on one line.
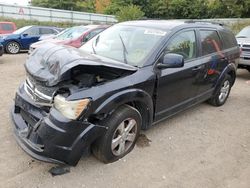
[[222, 93], [12, 47], [123, 129]]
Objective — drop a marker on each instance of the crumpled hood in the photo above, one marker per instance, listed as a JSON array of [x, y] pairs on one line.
[[51, 63]]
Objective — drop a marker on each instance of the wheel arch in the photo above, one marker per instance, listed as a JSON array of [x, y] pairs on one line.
[[231, 71], [13, 40], [136, 98]]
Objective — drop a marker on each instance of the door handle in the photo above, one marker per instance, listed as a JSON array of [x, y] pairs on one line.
[[197, 68]]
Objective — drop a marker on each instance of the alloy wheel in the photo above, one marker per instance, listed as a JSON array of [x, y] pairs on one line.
[[224, 91], [124, 137]]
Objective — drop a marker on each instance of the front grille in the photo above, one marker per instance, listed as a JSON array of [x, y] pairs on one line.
[[246, 45], [39, 93], [246, 49]]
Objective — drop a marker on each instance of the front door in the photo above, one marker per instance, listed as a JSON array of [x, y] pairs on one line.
[[29, 37], [177, 87]]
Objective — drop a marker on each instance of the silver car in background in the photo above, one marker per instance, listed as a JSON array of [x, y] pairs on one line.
[[243, 39]]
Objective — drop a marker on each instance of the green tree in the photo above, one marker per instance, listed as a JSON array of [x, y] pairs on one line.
[[130, 12], [187, 9], [116, 5], [76, 5]]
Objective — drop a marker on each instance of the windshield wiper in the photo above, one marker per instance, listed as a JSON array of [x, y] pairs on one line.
[[124, 50], [93, 48], [96, 41]]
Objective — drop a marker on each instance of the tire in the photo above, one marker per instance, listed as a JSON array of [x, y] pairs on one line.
[[222, 92], [119, 133], [12, 47]]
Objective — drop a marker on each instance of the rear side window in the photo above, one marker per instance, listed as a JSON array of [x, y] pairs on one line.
[[210, 42], [228, 39], [44, 31], [183, 43], [7, 27], [33, 31]]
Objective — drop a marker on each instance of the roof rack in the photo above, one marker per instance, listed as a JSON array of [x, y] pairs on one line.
[[204, 21]]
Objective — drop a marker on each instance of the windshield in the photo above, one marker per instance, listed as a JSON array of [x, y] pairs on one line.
[[21, 30], [71, 33], [128, 44], [244, 33]]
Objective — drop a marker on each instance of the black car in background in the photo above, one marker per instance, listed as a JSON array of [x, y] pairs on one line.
[[1, 50], [129, 77]]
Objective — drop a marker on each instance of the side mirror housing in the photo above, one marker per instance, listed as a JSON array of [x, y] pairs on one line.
[[171, 60], [25, 35]]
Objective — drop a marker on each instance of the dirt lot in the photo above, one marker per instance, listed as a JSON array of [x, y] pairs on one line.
[[202, 147]]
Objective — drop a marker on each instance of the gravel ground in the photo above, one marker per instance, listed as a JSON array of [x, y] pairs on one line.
[[204, 147]]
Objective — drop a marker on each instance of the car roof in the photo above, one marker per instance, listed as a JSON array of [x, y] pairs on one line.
[[171, 24], [41, 26]]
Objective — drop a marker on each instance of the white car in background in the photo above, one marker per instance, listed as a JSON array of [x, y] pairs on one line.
[[243, 39]]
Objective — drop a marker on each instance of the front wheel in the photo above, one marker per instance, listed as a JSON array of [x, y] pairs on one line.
[[123, 130], [222, 93], [12, 47]]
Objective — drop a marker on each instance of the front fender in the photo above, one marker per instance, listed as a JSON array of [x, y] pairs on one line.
[[137, 96]]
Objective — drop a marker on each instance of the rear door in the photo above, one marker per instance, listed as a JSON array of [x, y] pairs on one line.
[[212, 59], [177, 87]]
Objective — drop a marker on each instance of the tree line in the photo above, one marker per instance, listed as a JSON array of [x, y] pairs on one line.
[[156, 9]]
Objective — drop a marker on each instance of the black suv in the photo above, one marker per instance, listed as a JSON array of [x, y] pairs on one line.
[[125, 79]]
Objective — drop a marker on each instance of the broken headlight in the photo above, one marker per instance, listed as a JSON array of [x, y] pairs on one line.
[[70, 109]]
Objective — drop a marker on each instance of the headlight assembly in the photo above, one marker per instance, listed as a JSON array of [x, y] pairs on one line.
[[70, 109]]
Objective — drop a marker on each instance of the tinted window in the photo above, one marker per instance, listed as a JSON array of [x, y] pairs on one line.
[[44, 31], [210, 42], [32, 31], [183, 44], [228, 39], [7, 27]]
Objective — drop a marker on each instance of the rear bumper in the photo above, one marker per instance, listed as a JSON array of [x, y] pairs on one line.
[[49, 136]]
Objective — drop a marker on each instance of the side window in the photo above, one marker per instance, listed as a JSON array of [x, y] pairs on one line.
[[7, 27], [210, 42], [44, 31], [92, 34], [228, 39], [34, 31], [184, 44]]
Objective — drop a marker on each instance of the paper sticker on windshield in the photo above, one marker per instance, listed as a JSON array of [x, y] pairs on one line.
[[155, 32]]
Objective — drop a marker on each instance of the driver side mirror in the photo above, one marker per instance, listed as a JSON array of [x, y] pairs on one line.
[[25, 35], [171, 60]]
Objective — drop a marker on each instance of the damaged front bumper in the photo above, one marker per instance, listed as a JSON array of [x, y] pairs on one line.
[[49, 136]]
